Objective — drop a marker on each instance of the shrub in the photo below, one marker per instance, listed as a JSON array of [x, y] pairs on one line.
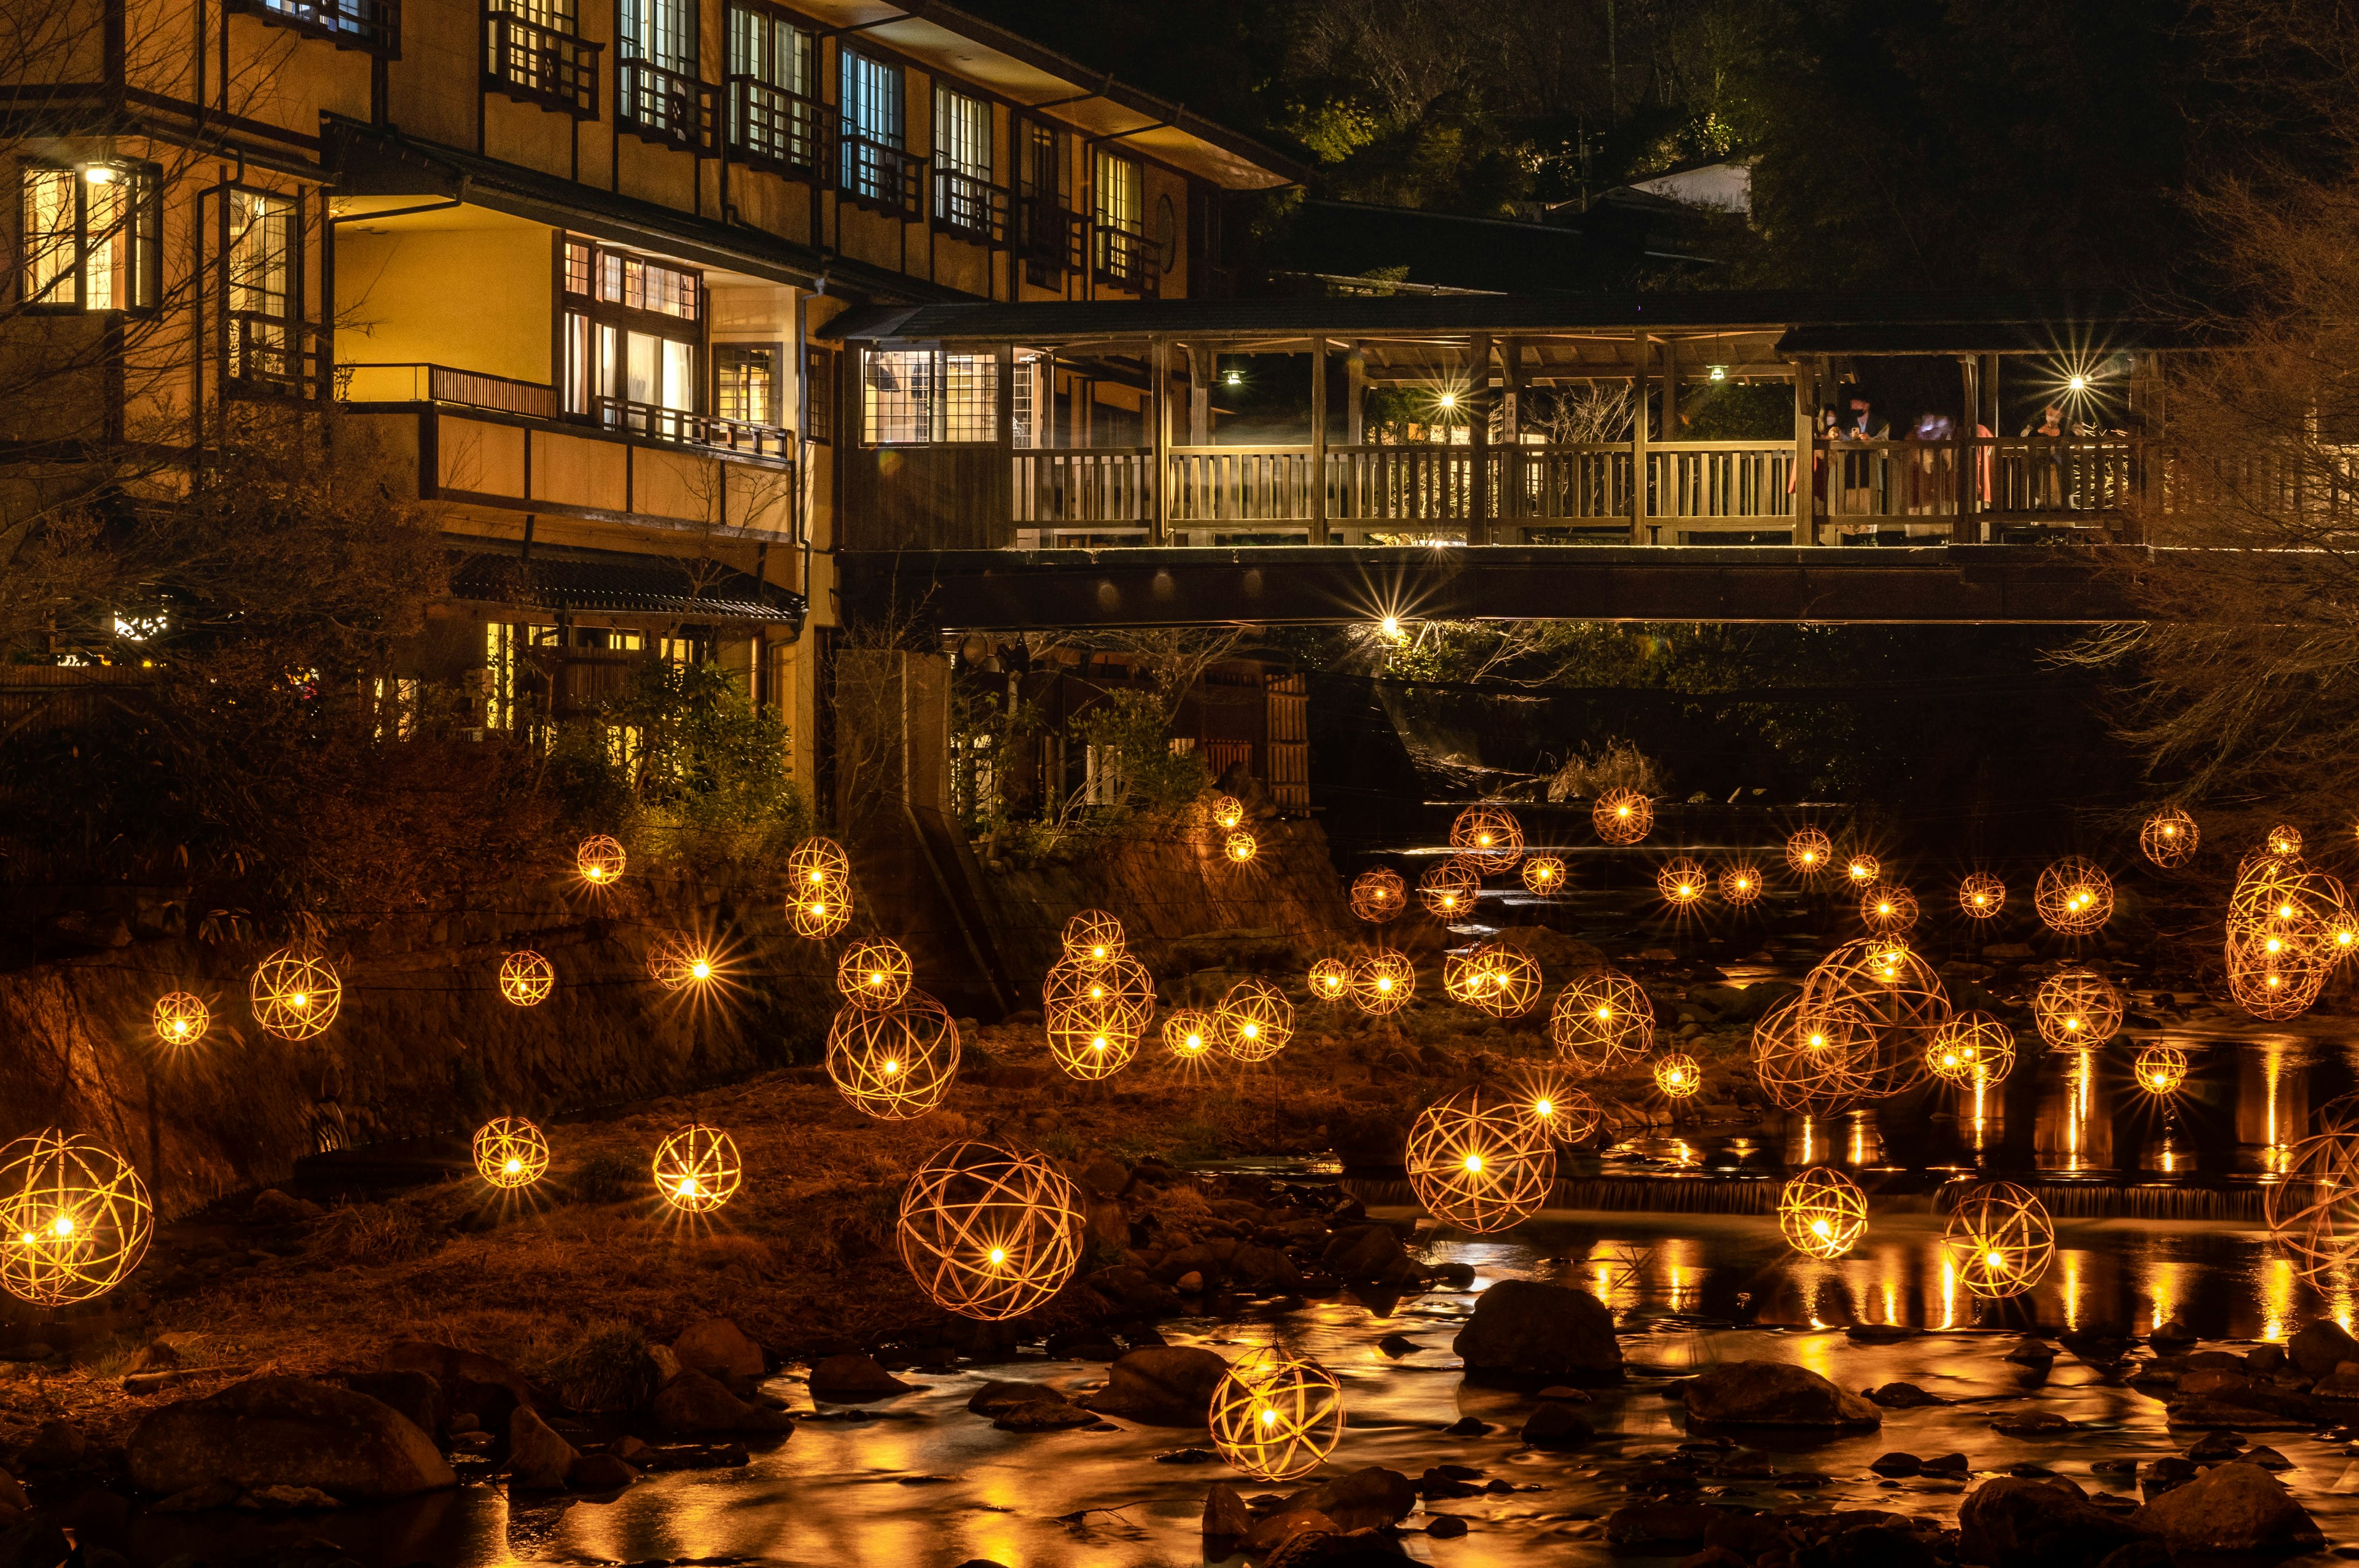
[[605, 1367]]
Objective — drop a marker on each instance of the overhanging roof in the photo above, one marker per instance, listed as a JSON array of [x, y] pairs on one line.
[[611, 582]]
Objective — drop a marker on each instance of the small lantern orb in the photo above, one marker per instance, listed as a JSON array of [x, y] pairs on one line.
[[1973, 1050], [1488, 834], [1378, 895], [2077, 1008], [2074, 896], [697, 1169], [1480, 1159], [990, 1233], [1682, 882], [1569, 1113], [1602, 1019], [295, 997], [874, 973], [2274, 977], [1740, 883], [819, 865], [1191, 1033], [1981, 895], [677, 961], [2313, 1211], [1822, 1212], [1255, 1019], [1814, 1062], [1091, 1039], [1544, 875], [74, 1218], [1889, 910], [1448, 889], [1240, 847], [2160, 1069], [1227, 811], [1122, 984], [2283, 840], [1094, 937], [894, 1063], [2169, 837], [510, 1152], [1999, 1238], [1810, 851], [1331, 980], [1383, 983], [1493, 978], [181, 1018], [815, 914], [527, 979], [600, 860], [1862, 870], [1622, 815], [1276, 1415], [1677, 1075]]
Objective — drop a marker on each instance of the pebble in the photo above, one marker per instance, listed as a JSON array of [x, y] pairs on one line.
[[1446, 1527], [1466, 1426]]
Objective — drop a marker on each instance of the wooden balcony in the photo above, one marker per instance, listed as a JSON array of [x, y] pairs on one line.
[[374, 25], [785, 133], [535, 64], [664, 106]]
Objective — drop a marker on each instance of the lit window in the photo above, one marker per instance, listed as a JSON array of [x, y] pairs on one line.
[[774, 115], [926, 396], [630, 336], [90, 237], [746, 383], [962, 194], [258, 275], [872, 128]]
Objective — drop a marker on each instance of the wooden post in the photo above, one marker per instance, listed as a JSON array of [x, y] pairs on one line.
[[1355, 397], [1318, 441], [1004, 532], [1478, 440], [1640, 348], [1964, 528], [1670, 389], [1806, 414], [1202, 366], [1511, 432], [1158, 436]]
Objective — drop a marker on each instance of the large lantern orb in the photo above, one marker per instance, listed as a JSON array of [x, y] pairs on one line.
[[1822, 1212], [1981, 895], [2313, 1211], [1383, 983], [1094, 937], [1331, 980], [2160, 1069], [894, 1063], [1255, 1019], [1488, 834], [1888, 909], [1240, 847], [2283, 840], [1810, 851], [677, 962], [1677, 1075], [2169, 837], [1897, 997], [1740, 883], [815, 914], [990, 1233], [697, 1169], [527, 979], [2077, 1008], [2273, 978], [74, 1218], [1682, 882], [1480, 1159], [874, 973], [1860, 871], [1973, 1050], [1602, 1019], [1544, 875], [181, 1018], [2074, 896], [1567, 1112], [1378, 895], [1227, 811], [1276, 1415], [1447, 889], [1191, 1033], [599, 859], [510, 1152], [1091, 1039], [1814, 1062], [1121, 985], [295, 997], [1622, 816], [819, 864], [1493, 978], [1999, 1238]]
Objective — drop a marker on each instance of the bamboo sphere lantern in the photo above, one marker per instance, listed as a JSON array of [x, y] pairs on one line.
[[1741, 884], [1982, 895], [295, 997], [1822, 1212], [2313, 1210], [2169, 837], [1682, 882], [819, 863], [2278, 895], [2160, 1069], [1677, 1075], [1228, 811], [1091, 1039], [989, 1233], [1493, 978], [510, 1152], [1973, 1050], [74, 1218], [2284, 840], [1602, 1019], [1331, 980], [1383, 983], [1255, 1019], [1860, 871], [1814, 1062], [2077, 1008], [1094, 937], [2074, 896], [1378, 895], [1890, 910], [1544, 875], [1276, 1415], [1897, 995], [1480, 1159], [1122, 984], [181, 1018], [2274, 977], [894, 1063], [697, 1169], [1999, 1238], [1488, 835], [817, 912], [677, 961], [1448, 887], [1568, 1113], [527, 979], [1810, 851], [600, 860], [1240, 847], [874, 973], [1622, 816], [1191, 1033]]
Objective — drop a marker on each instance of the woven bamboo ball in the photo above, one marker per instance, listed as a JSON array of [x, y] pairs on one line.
[[2280, 896], [1191, 1033], [1863, 869], [2313, 1209], [1378, 895], [74, 1218], [1447, 889], [1479, 1160], [295, 997], [1227, 811], [1810, 851], [1682, 882], [894, 1063], [2169, 837], [818, 864], [527, 979], [2273, 977], [1383, 983], [2160, 1069], [1740, 883], [675, 961], [2077, 1008], [1982, 895], [1973, 1050], [1094, 937], [1488, 835], [510, 1152], [600, 860], [1999, 1240], [1888, 909], [1821, 1213], [1240, 847], [1545, 874], [990, 1233], [1331, 980], [1091, 1039], [1255, 1019], [697, 1169], [1897, 995], [1121, 983], [1622, 816], [1566, 1111], [181, 1018], [1815, 1063], [1677, 1075], [815, 914], [2074, 896], [1493, 978], [2283, 840], [874, 973], [1602, 1019], [1276, 1415]]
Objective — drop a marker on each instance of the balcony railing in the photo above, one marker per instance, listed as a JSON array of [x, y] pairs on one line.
[[656, 424], [666, 107], [371, 24], [1128, 261], [417, 382], [1088, 485], [532, 63], [784, 132], [971, 208], [881, 176], [268, 356], [1049, 236]]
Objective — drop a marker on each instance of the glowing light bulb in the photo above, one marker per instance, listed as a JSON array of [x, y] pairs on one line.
[[299, 1000], [1195, 1043], [1450, 400], [512, 1166], [875, 977], [687, 1186], [1474, 1162], [1268, 1417], [1604, 1011], [2076, 384], [1820, 1228], [892, 1068], [1250, 1032], [1544, 1107], [998, 1256], [64, 1225], [1383, 983], [1996, 1260], [596, 873]]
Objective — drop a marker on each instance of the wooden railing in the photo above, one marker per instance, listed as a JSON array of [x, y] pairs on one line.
[[1046, 233], [272, 357], [371, 24], [535, 64], [882, 175], [1128, 261], [971, 208], [1093, 485], [658, 424], [2017, 477], [413, 382], [664, 107], [784, 132]]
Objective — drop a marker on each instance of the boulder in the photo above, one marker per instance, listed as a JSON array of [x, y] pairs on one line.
[[54, 1446], [1162, 1385], [601, 1473], [2321, 1347], [1227, 1516], [1044, 1415], [853, 1380], [1365, 1500], [1001, 1395], [2012, 1523], [694, 1403], [1370, 1254], [1264, 1269], [1774, 1393], [1523, 1331], [482, 1386], [1669, 1523], [1554, 1425], [1902, 1396], [2229, 1507], [270, 1432], [718, 1347], [538, 1460], [414, 1394]]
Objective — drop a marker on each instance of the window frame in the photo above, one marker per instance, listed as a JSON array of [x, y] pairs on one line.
[[533, 52], [787, 128], [967, 199], [143, 228], [938, 400], [293, 326], [691, 121], [873, 170], [779, 381], [595, 311]]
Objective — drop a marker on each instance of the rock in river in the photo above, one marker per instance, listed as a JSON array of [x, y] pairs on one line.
[[2321, 1346], [1523, 1331], [538, 1459], [2230, 1507], [853, 1380], [292, 1431], [1162, 1385], [2011, 1523], [1774, 1393], [693, 1403]]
